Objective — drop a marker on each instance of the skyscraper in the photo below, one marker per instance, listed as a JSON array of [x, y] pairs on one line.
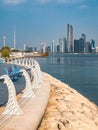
[[83, 36], [61, 44], [52, 48], [70, 43]]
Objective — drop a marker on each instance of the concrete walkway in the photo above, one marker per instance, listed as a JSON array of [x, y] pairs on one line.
[[33, 111]]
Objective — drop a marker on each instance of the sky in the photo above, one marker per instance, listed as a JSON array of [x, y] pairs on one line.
[[41, 21]]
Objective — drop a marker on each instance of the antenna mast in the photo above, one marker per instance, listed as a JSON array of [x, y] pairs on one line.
[[14, 38]]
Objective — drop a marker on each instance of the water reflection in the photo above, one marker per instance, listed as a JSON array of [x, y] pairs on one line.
[[79, 71]]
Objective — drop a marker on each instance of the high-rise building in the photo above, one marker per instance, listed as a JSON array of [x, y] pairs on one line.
[[70, 43], [76, 46], [53, 47], [61, 44], [79, 46], [93, 49], [43, 47], [87, 47], [65, 44], [27, 48], [83, 37], [48, 49]]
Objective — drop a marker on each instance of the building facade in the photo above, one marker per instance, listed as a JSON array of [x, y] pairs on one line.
[[70, 43]]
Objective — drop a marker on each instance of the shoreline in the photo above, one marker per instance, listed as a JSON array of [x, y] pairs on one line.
[[67, 109]]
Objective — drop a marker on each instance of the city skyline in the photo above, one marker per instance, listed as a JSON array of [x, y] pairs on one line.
[[41, 21]]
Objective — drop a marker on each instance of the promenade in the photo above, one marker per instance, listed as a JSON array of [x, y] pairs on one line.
[[56, 106], [32, 108]]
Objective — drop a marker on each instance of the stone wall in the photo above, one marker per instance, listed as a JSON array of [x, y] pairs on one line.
[[67, 109]]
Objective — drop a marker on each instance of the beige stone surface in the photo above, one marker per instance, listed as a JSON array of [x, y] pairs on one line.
[[67, 109], [33, 111]]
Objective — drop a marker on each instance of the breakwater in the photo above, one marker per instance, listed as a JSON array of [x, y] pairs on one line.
[[67, 109]]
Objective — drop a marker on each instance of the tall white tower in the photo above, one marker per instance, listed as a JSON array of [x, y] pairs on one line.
[[14, 38], [4, 38]]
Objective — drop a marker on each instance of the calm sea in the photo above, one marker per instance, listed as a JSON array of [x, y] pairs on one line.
[[80, 71]]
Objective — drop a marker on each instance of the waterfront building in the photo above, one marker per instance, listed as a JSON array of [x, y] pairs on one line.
[[43, 47], [35, 48], [58, 48], [76, 46], [70, 43], [65, 44], [27, 48], [83, 36], [79, 46], [53, 47], [48, 49], [96, 49], [87, 47], [62, 46], [92, 42]]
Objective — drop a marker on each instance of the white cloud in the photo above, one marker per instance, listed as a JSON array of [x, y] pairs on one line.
[[43, 1], [83, 7], [13, 1], [58, 1], [69, 1]]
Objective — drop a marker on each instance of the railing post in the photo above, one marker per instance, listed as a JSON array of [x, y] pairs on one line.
[[38, 71], [28, 90], [35, 79], [12, 107]]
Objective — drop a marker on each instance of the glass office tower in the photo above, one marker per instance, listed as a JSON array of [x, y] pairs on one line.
[[70, 43]]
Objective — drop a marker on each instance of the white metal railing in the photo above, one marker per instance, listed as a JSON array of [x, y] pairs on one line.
[[35, 69], [12, 107]]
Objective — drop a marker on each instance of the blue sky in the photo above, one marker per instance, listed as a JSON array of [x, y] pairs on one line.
[[39, 21]]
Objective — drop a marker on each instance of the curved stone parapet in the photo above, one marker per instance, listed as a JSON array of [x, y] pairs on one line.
[[33, 111], [32, 107]]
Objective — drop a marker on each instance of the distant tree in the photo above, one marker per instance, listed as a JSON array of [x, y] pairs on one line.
[[5, 52], [5, 48], [15, 50]]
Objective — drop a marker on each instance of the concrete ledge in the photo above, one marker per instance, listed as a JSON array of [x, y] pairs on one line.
[[33, 111]]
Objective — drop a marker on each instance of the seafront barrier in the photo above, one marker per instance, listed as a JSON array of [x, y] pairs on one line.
[[67, 109], [27, 112], [56, 106]]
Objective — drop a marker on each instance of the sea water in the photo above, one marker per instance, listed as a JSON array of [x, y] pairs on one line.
[[80, 71]]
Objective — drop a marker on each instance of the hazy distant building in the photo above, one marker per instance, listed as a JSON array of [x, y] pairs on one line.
[[65, 44], [70, 43], [79, 46], [53, 47], [87, 47], [96, 49], [48, 49], [92, 42], [83, 36], [62, 46], [27, 48], [35, 48], [76, 46], [58, 48], [43, 47]]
